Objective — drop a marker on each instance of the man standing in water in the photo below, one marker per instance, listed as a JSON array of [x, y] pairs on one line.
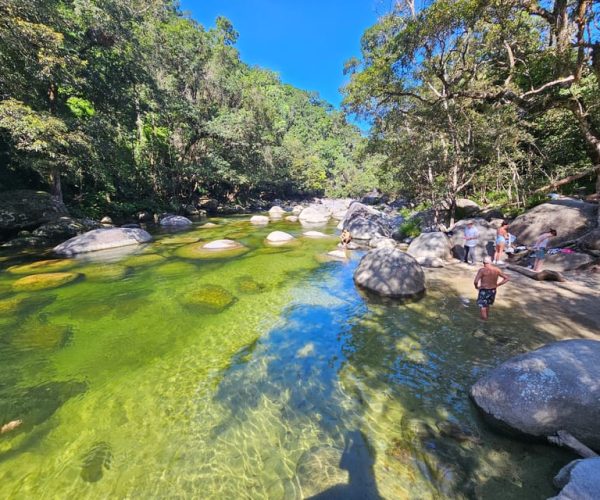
[[486, 281]]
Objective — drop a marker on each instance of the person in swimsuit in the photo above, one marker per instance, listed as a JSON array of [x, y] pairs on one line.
[[345, 238], [501, 238], [486, 281], [540, 248]]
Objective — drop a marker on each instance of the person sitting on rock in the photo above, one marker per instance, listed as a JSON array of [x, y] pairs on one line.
[[486, 281], [540, 248], [345, 238]]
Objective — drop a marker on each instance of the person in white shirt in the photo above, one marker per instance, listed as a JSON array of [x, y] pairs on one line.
[[471, 240]]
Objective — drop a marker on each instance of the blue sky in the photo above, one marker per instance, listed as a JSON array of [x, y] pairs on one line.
[[305, 41]]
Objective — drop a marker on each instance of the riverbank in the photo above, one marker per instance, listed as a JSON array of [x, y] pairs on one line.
[[562, 310]]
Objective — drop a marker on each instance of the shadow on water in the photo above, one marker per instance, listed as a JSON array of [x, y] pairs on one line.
[[358, 460], [406, 369]]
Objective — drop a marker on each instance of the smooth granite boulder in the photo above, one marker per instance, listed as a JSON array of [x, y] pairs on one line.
[[259, 219], [175, 221], [279, 237], [571, 218], [390, 272], [315, 214], [579, 480], [102, 239], [427, 247], [544, 391]]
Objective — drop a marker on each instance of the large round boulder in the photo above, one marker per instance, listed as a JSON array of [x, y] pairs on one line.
[[175, 221], [24, 209], [391, 273], [485, 242], [544, 391], [430, 248], [579, 480], [259, 220], [315, 214], [571, 219], [276, 212], [103, 239], [365, 223]]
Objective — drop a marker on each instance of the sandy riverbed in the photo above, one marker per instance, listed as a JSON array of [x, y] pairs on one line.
[[562, 310]]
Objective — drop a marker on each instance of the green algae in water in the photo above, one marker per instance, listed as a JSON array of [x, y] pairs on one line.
[[106, 272], [237, 403]]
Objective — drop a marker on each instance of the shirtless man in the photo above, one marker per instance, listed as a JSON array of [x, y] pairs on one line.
[[486, 281]]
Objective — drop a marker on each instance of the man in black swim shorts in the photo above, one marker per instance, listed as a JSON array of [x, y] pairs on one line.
[[486, 281]]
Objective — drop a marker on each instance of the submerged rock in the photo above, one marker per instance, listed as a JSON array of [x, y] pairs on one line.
[[35, 335], [102, 239], [209, 299], [391, 273], [544, 391], [219, 249], [42, 266], [105, 272], [338, 255], [95, 461], [248, 285], [43, 281], [579, 480]]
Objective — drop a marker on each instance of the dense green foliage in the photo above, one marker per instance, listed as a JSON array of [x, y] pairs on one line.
[[490, 99], [130, 104]]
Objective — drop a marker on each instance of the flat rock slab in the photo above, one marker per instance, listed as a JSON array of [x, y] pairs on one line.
[[103, 239], [390, 272], [541, 392], [579, 480], [43, 281], [562, 262]]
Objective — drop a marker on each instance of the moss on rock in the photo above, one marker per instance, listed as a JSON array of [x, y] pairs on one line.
[[208, 299], [42, 266], [43, 281], [197, 251]]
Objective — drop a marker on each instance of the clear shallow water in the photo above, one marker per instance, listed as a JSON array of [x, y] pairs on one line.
[[278, 380]]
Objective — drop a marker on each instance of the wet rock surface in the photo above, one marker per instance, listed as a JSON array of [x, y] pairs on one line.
[[544, 391]]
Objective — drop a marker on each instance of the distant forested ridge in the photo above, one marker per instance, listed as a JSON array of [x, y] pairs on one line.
[[498, 100], [120, 104]]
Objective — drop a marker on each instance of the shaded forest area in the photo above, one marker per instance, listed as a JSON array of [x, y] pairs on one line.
[[120, 105]]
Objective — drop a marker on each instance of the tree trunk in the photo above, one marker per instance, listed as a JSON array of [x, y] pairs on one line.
[[55, 185]]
